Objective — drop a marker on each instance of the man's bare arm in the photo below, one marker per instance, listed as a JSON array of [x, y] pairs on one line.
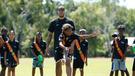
[[49, 38], [48, 41]]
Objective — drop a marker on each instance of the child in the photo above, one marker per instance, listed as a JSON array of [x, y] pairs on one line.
[[77, 62], [69, 40], [112, 72], [114, 35], [38, 51], [4, 36], [120, 44], [12, 47]]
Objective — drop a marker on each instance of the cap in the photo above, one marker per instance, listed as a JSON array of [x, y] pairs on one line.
[[66, 26]]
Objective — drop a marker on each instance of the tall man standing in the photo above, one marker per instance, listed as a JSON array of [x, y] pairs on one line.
[[55, 28]]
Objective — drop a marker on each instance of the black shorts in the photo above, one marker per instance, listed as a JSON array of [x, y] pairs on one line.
[[58, 54], [133, 65], [78, 64], [11, 64]]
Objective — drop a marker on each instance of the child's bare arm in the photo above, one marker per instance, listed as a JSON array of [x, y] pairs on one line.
[[93, 34]]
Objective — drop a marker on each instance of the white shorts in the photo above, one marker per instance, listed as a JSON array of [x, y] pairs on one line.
[[118, 64]]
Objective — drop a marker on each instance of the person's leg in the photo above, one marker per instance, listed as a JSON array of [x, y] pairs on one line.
[[74, 71], [68, 67], [111, 73], [58, 58], [41, 71], [133, 73], [115, 66], [116, 73], [133, 68], [13, 71], [58, 69], [122, 73], [9, 71], [3, 69], [33, 71], [81, 72], [127, 73], [123, 67]]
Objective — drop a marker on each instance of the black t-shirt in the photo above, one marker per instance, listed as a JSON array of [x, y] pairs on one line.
[[84, 49], [123, 44], [56, 28], [67, 40], [5, 38], [42, 46], [15, 46]]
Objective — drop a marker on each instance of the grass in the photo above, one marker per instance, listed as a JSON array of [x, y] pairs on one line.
[[96, 67]]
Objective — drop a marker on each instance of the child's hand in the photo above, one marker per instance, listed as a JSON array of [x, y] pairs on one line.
[[111, 59], [71, 50], [5, 62], [124, 58], [66, 48], [95, 33]]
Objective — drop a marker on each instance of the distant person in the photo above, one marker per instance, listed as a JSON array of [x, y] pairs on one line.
[[12, 57], [69, 42], [4, 34], [112, 72], [55, 28], [120, 44], [77, 61], [38, 50]]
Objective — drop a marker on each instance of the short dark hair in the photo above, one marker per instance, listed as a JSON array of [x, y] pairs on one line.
[[4, 29]]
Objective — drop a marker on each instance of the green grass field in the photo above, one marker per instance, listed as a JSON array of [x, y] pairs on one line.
[[96, 67]]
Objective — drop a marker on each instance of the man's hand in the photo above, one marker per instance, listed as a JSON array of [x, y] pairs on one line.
[[47, 51], [18, 62], [86, 63]]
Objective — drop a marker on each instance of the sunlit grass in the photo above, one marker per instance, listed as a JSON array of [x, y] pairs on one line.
[[96, 67]]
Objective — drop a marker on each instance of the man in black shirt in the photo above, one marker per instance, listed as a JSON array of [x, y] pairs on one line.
[[55, 28]]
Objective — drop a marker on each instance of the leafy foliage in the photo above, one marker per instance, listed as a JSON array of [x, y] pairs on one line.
[[27, 17]]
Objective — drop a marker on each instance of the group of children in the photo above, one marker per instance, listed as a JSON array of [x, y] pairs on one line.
[[9, 52], [72, 44], [76, 45]]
